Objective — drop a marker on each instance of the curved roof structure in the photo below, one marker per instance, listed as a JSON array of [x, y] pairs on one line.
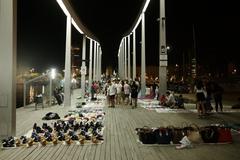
[[106, 21], [101, 19]]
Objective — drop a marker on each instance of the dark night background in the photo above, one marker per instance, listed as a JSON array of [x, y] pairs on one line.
[[41, 31]]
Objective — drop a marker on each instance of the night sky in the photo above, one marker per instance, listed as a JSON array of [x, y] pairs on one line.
[[41, 31]]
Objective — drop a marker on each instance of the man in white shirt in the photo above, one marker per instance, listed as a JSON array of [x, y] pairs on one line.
[[119, 92], [112, 90], [170, 99], [127, 91]]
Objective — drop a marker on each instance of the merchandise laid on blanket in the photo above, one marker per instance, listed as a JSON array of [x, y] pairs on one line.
[[185, 137], [82, 126]]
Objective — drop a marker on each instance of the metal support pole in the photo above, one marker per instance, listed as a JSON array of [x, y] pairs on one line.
[[123, 62], [97, 62], [67, 76], [129, 58], [134, 55], [143, 60], [50, 91], [24, 94], [100, 63], [162, 50], [90, 67], [83, 67], [8, 54]]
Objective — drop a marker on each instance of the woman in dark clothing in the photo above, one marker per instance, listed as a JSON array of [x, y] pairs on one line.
[[199, 89], [134, 94], [217, 95]]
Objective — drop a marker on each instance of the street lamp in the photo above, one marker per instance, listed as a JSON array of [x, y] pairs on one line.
[[52, 76]]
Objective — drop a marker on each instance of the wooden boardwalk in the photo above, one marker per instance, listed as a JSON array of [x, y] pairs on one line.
[[120, 139]]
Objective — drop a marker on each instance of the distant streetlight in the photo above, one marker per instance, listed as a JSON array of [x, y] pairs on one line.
[[52, 75]]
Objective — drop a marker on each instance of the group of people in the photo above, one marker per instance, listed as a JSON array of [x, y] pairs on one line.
[[122, 92], [204, 93], [171, 101], [126, 92]]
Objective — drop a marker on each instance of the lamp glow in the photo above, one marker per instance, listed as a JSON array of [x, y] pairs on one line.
[[53, 73]]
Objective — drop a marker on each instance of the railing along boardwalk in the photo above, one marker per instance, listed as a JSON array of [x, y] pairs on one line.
[[120, 139]]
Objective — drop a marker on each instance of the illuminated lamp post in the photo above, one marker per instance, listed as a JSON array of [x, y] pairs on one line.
[[52, 76]]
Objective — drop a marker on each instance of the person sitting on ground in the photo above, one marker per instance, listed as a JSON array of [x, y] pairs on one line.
[[170, 100], [163, 100], [179, 101]]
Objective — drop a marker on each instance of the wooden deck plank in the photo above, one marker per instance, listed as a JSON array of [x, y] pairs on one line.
[[136, 154], [116, 135], [15, 154], [120, 132], [106, 150], [7, 152], [25, 153], [92, 156], [73, 152], [98, 151], [36, 153], [65, 149], [112, 134], [83, 152], [123, 123], [58, 150], [67, 154], [51, 150], [89, 152], [78, 152]]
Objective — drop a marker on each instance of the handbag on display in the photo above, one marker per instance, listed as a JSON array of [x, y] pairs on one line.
[[177, 135], [209, 134], [163, 135], [225, 135], [146, 135]]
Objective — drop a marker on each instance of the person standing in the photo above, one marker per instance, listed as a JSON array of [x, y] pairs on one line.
[[112, 90], [93, 91], [134, 94], [119, 92], [127, 91], [217, 95], [199, 89]]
